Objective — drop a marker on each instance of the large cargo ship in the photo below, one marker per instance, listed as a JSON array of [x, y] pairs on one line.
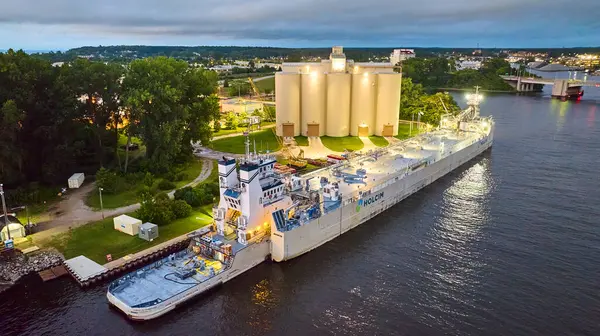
[[263, 214]]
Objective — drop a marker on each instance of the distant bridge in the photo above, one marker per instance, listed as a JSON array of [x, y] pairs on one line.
[[562, 88]]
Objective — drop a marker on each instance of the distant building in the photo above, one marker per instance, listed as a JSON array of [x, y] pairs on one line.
[[399, 55], [468, 64], [277, 66]]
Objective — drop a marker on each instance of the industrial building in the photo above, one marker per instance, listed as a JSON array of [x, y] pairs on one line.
[[337, 97]]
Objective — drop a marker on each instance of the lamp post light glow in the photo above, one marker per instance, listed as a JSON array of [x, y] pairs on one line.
[[101, 205]]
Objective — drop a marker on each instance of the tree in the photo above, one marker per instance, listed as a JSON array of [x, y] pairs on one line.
[[11, 156], [231, 121], [414, 100], [170, 105], [269, 113], [97, 88], [52, 134]]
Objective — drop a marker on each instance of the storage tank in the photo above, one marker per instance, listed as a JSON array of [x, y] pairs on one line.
[[362, 113], [388, 104], [287, 103], [313, 103], [338, 104]]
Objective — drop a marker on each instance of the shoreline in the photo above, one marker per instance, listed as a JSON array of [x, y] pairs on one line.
[[483, 90]]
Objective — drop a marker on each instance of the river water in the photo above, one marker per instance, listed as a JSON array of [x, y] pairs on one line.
[[507, 245]]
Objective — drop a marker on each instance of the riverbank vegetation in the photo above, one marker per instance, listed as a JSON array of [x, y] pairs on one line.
[[437, 72], [84, 116]]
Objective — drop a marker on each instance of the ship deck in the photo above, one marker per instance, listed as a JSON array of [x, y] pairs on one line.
[[391, 160], [157, 282]]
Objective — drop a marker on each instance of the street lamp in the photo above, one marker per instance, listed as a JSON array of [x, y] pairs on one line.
[[4, 210], [101, 205]]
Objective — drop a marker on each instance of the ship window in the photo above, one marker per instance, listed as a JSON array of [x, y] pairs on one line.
[[260, 200]]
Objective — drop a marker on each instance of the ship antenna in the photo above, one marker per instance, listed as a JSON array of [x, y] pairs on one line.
[[247, 143], [254, 145]]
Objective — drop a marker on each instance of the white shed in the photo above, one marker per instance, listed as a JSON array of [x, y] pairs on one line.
[[127, 224], [16, 231], [76, 180]]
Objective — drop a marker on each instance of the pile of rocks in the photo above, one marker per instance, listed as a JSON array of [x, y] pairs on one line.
[[13, 268]]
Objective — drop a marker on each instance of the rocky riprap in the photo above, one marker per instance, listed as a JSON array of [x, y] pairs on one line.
[[16, 265]]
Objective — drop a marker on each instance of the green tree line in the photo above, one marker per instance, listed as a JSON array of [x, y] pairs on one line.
[[440, 72], [55, 121]]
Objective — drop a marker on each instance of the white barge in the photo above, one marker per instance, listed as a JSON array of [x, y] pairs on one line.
[[262, 214]]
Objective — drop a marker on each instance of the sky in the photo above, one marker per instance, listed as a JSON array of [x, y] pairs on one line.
[[64, 24]]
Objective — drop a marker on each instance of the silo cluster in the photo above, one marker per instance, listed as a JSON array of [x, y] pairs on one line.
[[358, 99]]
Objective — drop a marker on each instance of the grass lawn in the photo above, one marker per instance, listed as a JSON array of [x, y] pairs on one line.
[[339, 144], [264, 139], [404, 131], [97, 239], [378, 141], [227, 131], [192, 170], [301, 140], [266, 84], [240, 130], [130, 196]]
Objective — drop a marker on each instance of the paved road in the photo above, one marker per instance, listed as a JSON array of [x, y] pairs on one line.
[[73, 212]]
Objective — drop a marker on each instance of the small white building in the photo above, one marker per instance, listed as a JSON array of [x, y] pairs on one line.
[[16, 231], [76, 180], [127, 224]]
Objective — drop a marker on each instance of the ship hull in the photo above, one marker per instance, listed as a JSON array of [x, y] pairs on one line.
[[294, 243], [244, 260]]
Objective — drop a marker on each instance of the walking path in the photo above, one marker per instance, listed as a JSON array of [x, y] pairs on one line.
[[73, 212]]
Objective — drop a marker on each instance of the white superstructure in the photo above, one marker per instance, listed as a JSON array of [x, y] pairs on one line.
[[337, 97]]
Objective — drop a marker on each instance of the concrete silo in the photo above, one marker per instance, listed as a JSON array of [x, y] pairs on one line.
[[313, 103], [388, 104], [338, 104], [362, 113], [287, 103]]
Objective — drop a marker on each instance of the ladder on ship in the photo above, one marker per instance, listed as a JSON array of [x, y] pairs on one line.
[[279, 219]]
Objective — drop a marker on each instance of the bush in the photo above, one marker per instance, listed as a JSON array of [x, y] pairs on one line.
[[170, 176], [166, 185], [148, 180], [207, 192], [110, 182], [157, 210], [181, 177], [162, 197], [190, 195], [180, 208]]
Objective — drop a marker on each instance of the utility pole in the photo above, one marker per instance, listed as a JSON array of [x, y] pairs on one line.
[[4, 210], [101, 205]]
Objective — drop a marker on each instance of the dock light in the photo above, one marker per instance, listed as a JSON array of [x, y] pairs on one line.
[[366, 74]]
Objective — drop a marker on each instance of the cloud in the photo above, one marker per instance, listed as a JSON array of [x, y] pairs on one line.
[[275, 22]]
